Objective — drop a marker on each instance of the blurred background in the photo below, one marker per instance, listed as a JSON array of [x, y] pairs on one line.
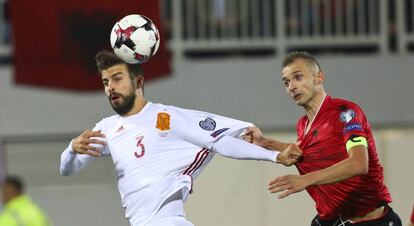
[[221, 56]]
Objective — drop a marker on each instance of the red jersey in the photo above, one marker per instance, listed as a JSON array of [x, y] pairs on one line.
[[412, 216], [325, 144]]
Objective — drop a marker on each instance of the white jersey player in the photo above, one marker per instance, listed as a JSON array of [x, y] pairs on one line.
[[157, 150]]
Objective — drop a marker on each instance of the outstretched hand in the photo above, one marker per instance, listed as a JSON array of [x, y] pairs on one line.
[[88, 142], [288, 184], [290, 155]]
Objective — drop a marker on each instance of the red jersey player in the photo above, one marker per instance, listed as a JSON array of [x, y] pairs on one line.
[[340, 167]]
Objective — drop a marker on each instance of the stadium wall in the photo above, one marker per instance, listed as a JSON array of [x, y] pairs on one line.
[[244, 88]]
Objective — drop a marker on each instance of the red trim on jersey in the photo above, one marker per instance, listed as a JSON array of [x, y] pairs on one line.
[[194, 163], [203, 157], [191, 189]]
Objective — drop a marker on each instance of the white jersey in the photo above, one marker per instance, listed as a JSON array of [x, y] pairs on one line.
[[158, 152]]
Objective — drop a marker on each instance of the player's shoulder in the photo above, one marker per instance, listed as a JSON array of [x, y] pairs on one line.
[[106, 122], [163, 108], [344, 104], [347, 110], [109, 119], [173, 109]]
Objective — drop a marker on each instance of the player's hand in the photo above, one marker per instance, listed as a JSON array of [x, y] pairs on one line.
[[87, 143], [253, 135], [290, 155], [288, 184]]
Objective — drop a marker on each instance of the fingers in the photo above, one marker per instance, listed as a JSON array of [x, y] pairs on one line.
[[279, 185], [96, 141], [277, 181], [285, 194], [291, 161], [253, 135], [89, 150], [250, 129], [88, 143], [288, 156], [90, 133], [294, 151], [93, 153], [253, 131], [285, 184], [247, 138]]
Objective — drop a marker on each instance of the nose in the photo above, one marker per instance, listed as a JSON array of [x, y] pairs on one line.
[[110, 87], [292, 86]]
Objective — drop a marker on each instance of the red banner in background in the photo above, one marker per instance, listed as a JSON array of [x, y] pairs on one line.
[[55, 41]]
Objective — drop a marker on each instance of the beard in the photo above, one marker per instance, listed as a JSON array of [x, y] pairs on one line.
[[126, 104]]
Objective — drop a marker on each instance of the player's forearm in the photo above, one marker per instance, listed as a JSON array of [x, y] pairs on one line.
[[238, 149], [67, 163], [341, 171], [71, 162], [272, 144]]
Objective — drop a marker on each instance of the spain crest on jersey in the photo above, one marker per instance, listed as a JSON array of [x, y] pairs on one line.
[[163, 121]]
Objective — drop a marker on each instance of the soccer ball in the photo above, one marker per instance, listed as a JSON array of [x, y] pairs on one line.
[[135, 39]]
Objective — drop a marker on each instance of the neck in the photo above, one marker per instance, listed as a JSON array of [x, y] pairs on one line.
[[314, 105], [138, 106]]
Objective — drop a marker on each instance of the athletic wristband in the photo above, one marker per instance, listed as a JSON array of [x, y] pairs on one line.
[[355, 141]]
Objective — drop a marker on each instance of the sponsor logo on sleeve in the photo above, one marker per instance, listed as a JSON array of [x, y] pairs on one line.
[[163, 121], [347, 116], [351, 127], [218, 132], [208, 124]]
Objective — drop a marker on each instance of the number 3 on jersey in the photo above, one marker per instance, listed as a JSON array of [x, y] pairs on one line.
[[141, 148]]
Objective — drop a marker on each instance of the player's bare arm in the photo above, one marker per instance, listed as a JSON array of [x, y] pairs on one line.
[[83, 144], [290, 153], [255, 136], [355, 164]]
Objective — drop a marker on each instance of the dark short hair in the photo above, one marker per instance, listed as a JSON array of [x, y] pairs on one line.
[[16, 182], [106, 59], [292, 56]]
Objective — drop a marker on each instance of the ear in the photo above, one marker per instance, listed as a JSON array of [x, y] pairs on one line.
[[140, 81], [320, 77]]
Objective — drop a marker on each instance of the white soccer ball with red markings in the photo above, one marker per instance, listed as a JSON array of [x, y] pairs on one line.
[[135, 39]]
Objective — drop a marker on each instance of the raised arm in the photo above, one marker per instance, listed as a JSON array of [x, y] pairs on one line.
[[238, 149], [255, 136], [81, 151]]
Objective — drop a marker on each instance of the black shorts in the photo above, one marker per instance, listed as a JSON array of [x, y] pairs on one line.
[[390, 218]]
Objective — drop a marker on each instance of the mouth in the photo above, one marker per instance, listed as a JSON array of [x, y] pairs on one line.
[[114, 97], [297, 96]]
